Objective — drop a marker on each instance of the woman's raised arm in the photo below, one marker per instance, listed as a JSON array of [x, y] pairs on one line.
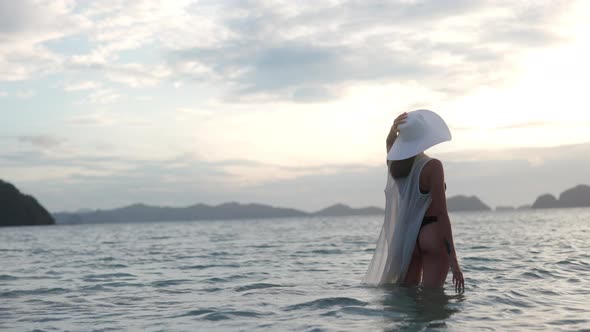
[[393, 131]]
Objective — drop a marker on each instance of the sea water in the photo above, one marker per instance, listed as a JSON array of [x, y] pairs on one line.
[[524, 270]]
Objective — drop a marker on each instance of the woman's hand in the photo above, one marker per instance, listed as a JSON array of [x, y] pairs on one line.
[[458, 280], [399, 120], [393, 131]]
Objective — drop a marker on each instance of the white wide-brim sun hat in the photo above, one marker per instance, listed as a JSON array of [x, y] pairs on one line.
[[422, 130]]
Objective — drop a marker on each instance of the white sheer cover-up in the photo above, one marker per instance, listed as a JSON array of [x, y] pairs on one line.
[[405, 207]]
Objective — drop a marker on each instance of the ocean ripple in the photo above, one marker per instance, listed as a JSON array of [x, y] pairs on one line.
[[326, 303], [299, 274], [260, 285]]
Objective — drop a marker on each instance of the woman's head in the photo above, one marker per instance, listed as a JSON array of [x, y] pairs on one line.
[[401, 168]]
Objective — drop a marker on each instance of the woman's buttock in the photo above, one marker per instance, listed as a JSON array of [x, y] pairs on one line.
[[429, 239], [435, 261]]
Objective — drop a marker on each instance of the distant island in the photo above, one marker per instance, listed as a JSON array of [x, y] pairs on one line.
[[226, 211], [143, 212], [345, 210], [578, 196], [17, 209], [233, 210], [466, 203]]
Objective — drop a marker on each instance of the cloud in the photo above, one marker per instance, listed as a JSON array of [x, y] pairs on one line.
[[80, 86], [95, 59], [555, 153], [103, 96], [532, 124], [20, 62], [134, 75], [298, 51], [188, 114], [286, 50], [25, 94], [41, 141], [105, 118], [119, 26], [123, 25], [34, 17], [137, 75], [313, 94], [24, 28]]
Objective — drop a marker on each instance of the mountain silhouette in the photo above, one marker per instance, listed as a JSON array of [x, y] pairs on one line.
[[466, 203], [17, 209], [345, 210], [232, 210], [578, 196], [142, 212]]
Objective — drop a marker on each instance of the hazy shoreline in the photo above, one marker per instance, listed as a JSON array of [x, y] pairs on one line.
[[578, 196]]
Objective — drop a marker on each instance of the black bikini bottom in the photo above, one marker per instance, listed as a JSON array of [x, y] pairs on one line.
[[425, 221], [428, 220]]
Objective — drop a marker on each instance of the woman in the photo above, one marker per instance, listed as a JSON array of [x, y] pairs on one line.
[[416, 242]]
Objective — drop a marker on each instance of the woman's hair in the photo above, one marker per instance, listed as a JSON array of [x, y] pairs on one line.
[[401, 168]]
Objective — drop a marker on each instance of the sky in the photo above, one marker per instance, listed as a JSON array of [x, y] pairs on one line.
[[108, 103]]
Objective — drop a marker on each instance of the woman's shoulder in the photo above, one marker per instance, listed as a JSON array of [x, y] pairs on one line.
[[433, 162], [433, 167]]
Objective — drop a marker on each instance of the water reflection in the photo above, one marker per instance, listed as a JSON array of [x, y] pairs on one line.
[[417, 309]]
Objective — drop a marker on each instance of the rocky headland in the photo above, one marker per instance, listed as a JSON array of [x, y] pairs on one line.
[[466, 203], [578, 196], [18, 209]]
